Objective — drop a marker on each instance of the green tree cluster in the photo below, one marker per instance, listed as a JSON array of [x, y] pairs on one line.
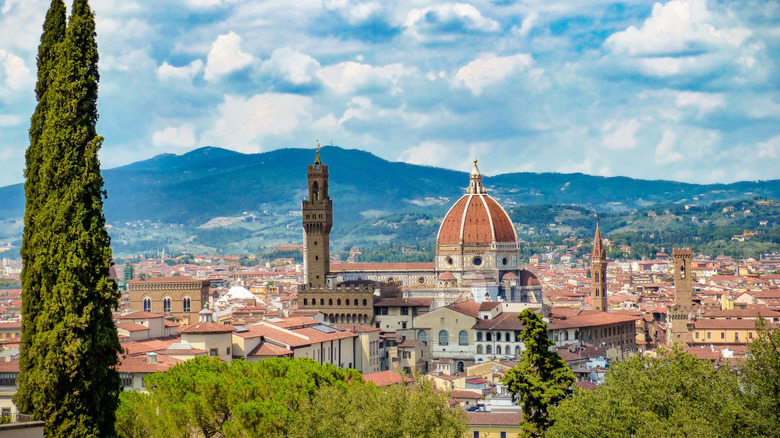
[[676, 394], [541, 379], [280, 397], [69, 342]]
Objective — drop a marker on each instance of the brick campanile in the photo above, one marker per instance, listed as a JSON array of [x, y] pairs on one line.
[[317, 222], [598, 271]]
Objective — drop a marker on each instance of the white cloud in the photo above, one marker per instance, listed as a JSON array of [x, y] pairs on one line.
[[226, 57], [243, 122], [167, 72], [181, 137], [769, 148], [667, 149], [17, 75], [292, 66], [428, 153], [350, 77], [447, 18], [355, 13], [202, 4], [620, 134], [490, 69], [8, 120], [526, 25], [703, 102], [679, 26]]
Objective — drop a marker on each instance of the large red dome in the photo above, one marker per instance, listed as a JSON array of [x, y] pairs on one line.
[[476, 219]]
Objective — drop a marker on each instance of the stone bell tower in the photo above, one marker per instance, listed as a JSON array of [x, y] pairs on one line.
[[317, 222], [598, 271], [680, 314]]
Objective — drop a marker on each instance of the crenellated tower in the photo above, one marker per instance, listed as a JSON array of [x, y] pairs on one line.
[[598, 270], [680, 321], [317, 222]]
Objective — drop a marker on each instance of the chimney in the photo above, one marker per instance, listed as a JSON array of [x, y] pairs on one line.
[[151, 357]]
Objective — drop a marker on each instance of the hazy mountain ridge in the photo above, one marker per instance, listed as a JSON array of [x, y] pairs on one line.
[[192, 188]]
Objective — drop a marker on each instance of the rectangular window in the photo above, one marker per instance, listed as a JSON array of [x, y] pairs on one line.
[[213, 352], [227, 351], [709, 335], [476, 434], [503, 434], [127, 379], [736, 337], [697, 335], [723, 335], [403, 325], [404, 310], [750, 335]]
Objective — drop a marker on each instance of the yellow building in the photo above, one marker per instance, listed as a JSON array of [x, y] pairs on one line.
[[494, 424]]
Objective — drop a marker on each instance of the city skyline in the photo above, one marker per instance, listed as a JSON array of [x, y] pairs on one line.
[[682, 90]]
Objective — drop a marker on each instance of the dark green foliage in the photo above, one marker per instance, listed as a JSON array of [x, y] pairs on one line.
[[541, 379], [52, 36], [389, 412], [67, 375], [674, 394], [280, 398], [762, 374]]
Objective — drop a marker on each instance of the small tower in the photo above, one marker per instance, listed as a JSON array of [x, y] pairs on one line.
[[598, 270], [317, 222], [475, 181], [683, 288], [679, 315]]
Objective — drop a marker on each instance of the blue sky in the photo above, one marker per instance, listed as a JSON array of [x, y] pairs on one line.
[[684, 90]]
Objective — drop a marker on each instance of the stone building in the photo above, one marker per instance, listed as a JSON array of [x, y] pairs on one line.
[[181, 297], [680, 320]]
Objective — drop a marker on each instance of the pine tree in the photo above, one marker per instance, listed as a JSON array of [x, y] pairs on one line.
[[72, 382], [53, 35], [540, 379]]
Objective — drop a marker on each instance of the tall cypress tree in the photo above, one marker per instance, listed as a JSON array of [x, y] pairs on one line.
[[73, 384], [53, 34]]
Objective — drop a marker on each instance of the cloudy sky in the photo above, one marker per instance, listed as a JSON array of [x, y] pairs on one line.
[[684, 90]]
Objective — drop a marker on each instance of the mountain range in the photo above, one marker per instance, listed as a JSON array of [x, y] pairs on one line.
[[204, 189]]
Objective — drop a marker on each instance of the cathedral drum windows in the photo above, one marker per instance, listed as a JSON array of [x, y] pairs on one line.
[[167, 305], [147, 304]]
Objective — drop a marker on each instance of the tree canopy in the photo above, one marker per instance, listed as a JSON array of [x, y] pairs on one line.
[[540, 379], [280, 397], [674, 394]]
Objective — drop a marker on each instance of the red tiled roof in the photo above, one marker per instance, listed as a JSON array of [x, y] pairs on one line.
[[734, 324], [384, 378], [465, 394], [447, 275], [488, 305], [207, 327], [591, 320], [403, 302], [10, 325], [140, 364], [587, 385], [131, 326], [296, 321], [476, 219], [502, 321], [267, 349], [494, 418], [148, 345], [470, 308], [358, 328]]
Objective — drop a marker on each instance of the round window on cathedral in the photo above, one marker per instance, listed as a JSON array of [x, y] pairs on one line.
[[504, 261], [449, 261], [477, 261], [421, 280]]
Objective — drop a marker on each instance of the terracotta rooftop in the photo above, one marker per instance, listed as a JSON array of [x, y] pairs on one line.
[[131, 326], [351, 267], [384, 378], [476, 219], [140, 364], [207, 327], [267, 349], [494, 418], [470, 308], [502, 321]]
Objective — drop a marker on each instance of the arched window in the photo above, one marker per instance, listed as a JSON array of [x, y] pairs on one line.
[[322, 301], [315, 189], [489, 337], [498, 349], [444, 338], [330, 301], [517, 351], [365, 303], [508, 349], [147, 304], [338, 302], [489, 350], [461, 366], [167, 305], [479, 349], [479, 336], [186, 304], [422, 336], [463, 338], [305, 301]]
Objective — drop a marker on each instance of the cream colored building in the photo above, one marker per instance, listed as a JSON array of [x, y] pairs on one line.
[[213, 337], [448, 333]]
